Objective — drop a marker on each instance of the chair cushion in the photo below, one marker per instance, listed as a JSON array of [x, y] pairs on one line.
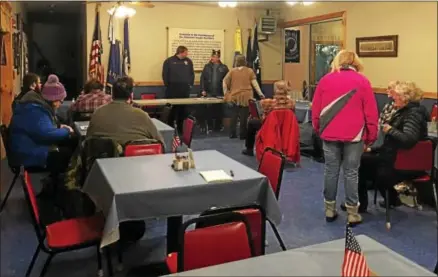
[[75, 231], [425, 178], [172, 262]]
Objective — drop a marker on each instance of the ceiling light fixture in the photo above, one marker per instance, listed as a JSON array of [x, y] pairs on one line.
[[304, 3], [227, 4], [122, 11]]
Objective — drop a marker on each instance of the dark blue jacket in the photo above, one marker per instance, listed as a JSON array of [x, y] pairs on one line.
[[33, 131]]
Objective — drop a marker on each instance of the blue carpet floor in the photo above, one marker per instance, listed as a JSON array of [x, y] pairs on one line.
[[413, 235]]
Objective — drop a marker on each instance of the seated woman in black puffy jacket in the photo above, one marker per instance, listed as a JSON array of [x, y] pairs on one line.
[[407, 126]]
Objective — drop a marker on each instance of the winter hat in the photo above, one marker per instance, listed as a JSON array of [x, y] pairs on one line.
[[53, 90]]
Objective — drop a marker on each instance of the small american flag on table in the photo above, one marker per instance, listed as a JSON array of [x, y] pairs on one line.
[[176, 142], [354, 263]]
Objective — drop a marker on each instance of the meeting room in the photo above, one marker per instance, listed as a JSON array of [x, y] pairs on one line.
[[205, 138]]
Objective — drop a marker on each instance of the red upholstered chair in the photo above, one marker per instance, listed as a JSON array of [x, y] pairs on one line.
[[434, 112], [143, 149], [256, 218], [151, 110], [188, 127], [418, 158], [272, 165], [62, 236], [218, 244], [253, 111]]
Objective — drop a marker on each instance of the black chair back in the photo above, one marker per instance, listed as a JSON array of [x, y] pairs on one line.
[[5, 137]]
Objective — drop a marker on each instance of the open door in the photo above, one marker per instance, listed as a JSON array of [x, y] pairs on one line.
[[6, 63]]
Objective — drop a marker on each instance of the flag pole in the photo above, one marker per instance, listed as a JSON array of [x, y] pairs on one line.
[[176, 132]]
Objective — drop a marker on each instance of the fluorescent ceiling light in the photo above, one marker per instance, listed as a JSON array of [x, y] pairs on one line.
[[227, 4], [307, 3], [292, 3], [304, 3]]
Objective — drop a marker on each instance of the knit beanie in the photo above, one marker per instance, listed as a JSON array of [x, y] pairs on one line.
[[53, 90]]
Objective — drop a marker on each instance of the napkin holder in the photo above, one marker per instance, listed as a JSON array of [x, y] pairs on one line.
[[181, 163]]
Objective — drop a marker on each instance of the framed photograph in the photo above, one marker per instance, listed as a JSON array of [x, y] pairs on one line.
[[382, 46]]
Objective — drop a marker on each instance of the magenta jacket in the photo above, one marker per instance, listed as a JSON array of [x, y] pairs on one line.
[[344, 108]]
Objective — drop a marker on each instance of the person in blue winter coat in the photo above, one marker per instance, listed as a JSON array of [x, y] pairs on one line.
[[36, 138]]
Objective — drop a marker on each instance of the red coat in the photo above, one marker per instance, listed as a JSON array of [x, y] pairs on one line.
[[280, 130]]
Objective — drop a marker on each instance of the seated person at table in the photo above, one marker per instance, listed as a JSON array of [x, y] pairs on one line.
[[389, 108], [407, 126], [92, 98], [31, 82], [120, 121], [36, 138], [279, 102]]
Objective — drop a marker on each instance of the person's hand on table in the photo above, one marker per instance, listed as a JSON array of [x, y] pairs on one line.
[[386, 128], [70, 129], [203, 93]]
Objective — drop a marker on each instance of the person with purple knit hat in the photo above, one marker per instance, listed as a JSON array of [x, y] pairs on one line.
[[36, 138]]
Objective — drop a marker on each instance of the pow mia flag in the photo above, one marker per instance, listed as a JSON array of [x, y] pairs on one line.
[[292, 46]]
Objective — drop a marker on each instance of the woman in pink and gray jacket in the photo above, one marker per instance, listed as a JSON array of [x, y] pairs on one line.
[[345, 116]]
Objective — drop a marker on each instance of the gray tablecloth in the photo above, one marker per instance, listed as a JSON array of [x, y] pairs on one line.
[[323, 259], [165, 130], [147, 187], [302, 111]]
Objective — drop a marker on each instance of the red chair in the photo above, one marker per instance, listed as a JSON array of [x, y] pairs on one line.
[[152, 110], [434, 112], [272, 165], [188, 128], [143, 149], [62, 236], [253, 111], [256, 218], [418, 158], [213, 245]]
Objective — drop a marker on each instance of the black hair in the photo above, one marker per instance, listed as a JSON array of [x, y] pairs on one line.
[[91, 85], [216, 53], [28, 80], [181, 49], [123, 88]]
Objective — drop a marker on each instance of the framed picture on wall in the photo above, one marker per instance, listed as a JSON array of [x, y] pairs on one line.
[[292, 46], [382, 46]]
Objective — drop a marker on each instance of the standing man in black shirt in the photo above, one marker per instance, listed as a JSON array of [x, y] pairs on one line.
[[178, 77], [211, 86]]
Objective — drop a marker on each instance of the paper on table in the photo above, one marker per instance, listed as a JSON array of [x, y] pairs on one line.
[[215, 176]]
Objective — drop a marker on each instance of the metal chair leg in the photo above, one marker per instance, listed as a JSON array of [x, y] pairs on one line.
[[375, 195], [32, 262], [277, 235], [109, 261], [99, 262], [8, 192], [388, 223], [46, 265]]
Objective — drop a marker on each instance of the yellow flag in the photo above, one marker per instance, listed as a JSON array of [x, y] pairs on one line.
[[238, 48]]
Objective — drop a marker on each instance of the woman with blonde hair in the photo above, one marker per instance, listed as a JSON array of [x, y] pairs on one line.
[[238, 87], [344, 115], [389, 108], [407, 126]]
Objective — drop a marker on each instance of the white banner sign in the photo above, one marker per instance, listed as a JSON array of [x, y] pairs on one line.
[[199, 42]]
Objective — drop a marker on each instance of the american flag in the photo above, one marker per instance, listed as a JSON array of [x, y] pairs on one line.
[[354, 263], [176, 141], [96, 67]]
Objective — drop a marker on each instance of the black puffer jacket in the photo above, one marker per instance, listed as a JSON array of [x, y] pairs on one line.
[[409, 125]]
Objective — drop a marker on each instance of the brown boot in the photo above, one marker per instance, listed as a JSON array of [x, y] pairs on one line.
[[354, 217], [330, 211]]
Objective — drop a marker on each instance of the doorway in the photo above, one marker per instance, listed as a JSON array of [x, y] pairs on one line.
[[320, 39]]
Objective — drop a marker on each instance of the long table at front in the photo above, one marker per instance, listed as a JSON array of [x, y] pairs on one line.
[[136, 188], [166, 131], [179, 101], [323, 259]]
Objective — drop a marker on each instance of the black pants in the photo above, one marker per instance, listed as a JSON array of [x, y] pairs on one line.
[[57, 161], [178, 112], [373, 168], [253, 126], [211, 116], [242, 113]]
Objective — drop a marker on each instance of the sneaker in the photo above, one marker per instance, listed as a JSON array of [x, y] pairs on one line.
[[248, 152], [362, 209]]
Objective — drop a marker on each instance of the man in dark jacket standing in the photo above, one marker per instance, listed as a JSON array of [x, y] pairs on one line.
[[212, 76], [178, 77]]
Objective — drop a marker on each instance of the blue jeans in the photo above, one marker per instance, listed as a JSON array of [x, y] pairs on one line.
[[347, 154]]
